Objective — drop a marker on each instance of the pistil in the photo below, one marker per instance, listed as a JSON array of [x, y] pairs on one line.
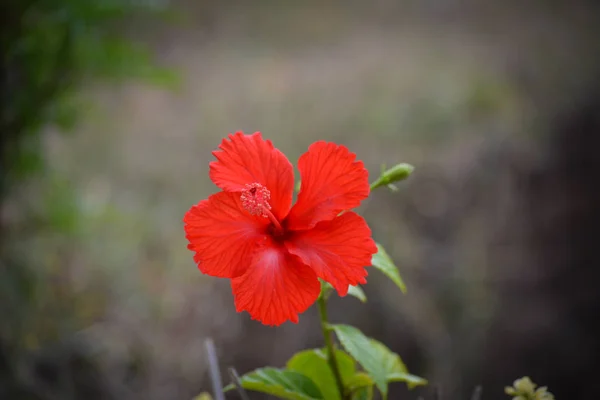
[[255, 199]]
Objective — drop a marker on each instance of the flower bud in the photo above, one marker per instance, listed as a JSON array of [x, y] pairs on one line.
[[397, 173]]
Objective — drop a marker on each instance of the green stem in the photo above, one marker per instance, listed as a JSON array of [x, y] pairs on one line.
[[331, 359]]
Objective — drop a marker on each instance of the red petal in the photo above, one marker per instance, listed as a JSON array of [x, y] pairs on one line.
[[223, 235], [245, 159], [338, 250], [276, 287], [331, 182]]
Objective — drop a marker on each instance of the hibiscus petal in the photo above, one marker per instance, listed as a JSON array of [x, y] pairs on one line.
[[276, 287], [245, 159], [223, 235], [336, 250], [332, 181]]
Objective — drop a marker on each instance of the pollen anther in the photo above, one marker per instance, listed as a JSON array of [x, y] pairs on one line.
[[255, 199]]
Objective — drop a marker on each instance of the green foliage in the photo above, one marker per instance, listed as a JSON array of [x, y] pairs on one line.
[[383, 262], [356, 291], [360, 386], [282, 383], [363, 393], [380, 363], [57, 205], [308, 375], [313, 364], [359, 380], [50, 47]]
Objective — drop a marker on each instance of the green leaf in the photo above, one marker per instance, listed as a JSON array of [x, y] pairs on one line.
[[360, 347], [382, 261], [357, 292], [360, 386], [313, 364], [363, 393], [410, 380], [359, 380], [379, 362], [396, 370], [389, 360], [281, 383], [354, 291]]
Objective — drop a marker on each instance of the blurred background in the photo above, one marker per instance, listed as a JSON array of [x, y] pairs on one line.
[[110, 111]]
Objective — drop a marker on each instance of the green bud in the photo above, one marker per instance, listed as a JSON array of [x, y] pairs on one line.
[[397, 173]]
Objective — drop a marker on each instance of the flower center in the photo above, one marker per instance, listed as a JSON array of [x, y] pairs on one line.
[[255, 199]]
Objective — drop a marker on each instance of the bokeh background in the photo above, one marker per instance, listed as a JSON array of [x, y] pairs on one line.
[[496, 104]]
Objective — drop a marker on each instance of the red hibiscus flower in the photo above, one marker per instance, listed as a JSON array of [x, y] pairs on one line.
[[273, 252]]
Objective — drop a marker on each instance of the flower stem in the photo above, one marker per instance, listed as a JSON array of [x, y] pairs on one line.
[[331, 359]]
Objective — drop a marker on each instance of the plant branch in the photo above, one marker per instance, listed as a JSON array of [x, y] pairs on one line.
[[331, 359], [235, 379]]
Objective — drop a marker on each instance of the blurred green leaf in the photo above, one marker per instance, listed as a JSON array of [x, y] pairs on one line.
[[383, 262], [281, 383], [363, 393], [360, 385], [411, 381], [57, 45], [65, 112], [357, 292], [30, 158], [59, 206], [378, 361], [118, 57], [359, 347], [314, 365], [359, 380], [395, 369]]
